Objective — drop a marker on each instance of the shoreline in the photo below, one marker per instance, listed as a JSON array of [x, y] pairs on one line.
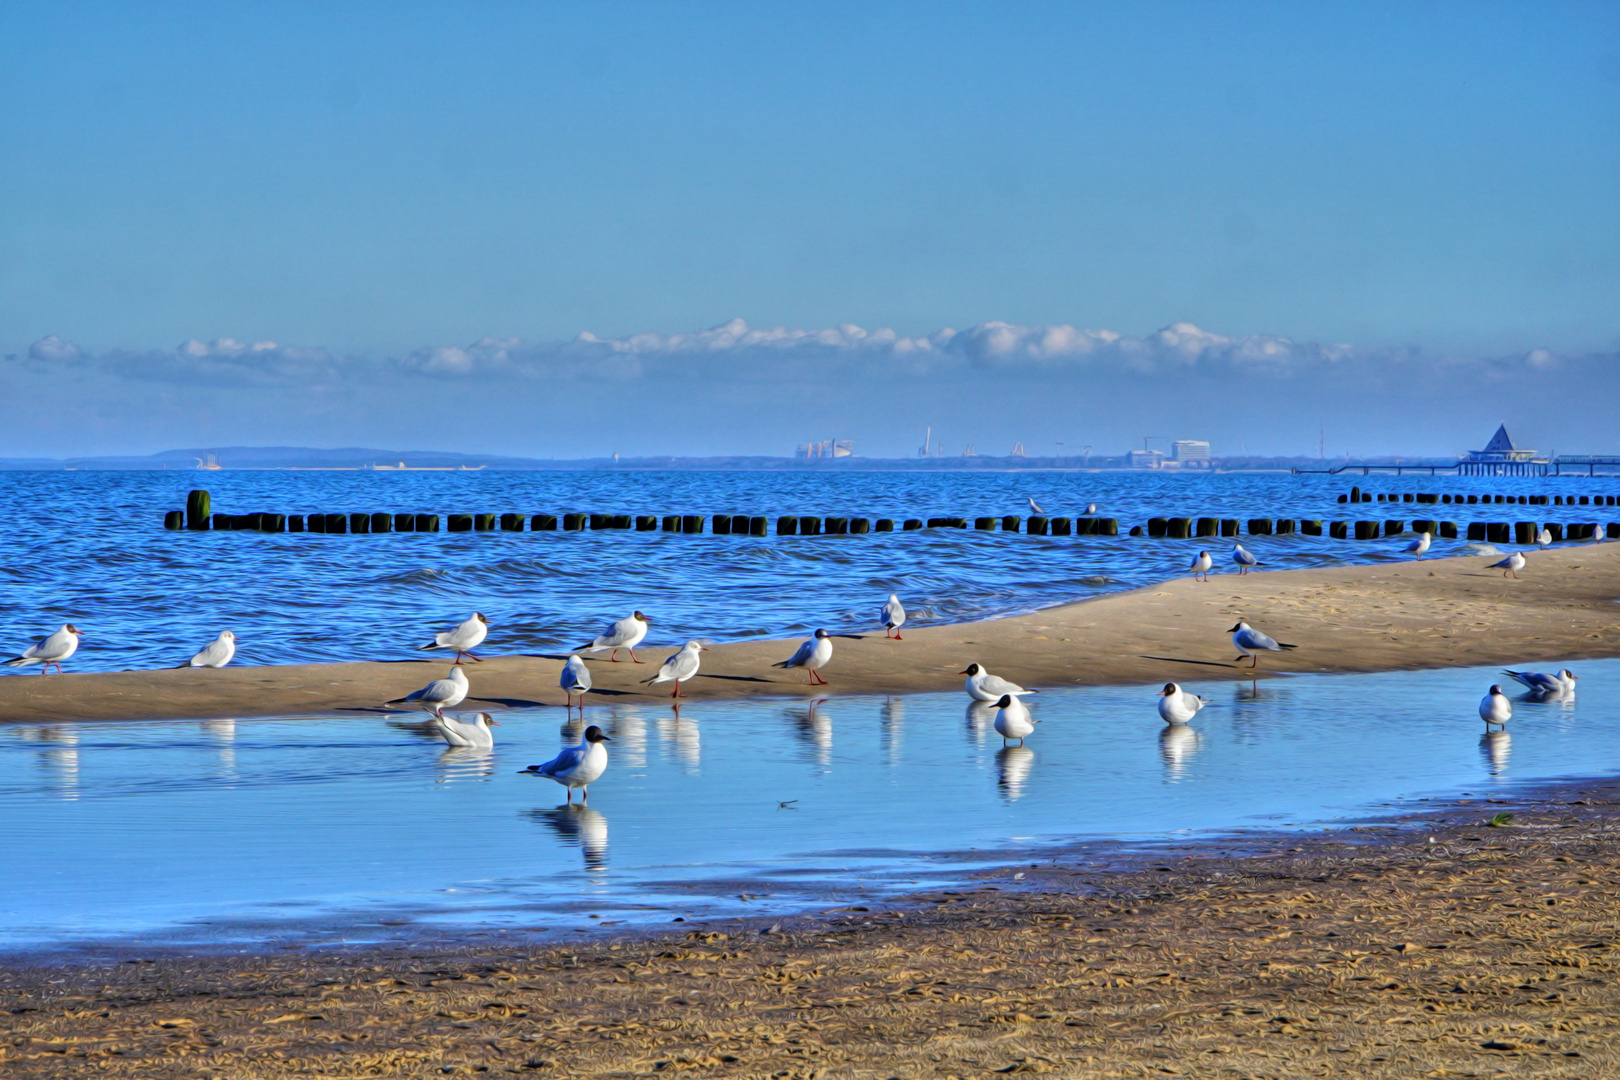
[[1450, 612]]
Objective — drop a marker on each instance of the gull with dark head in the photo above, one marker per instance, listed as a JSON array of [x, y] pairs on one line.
[[1244, 559], [51, 649], [474, 733], [578, 766], [983, 686], [1495, 708], [813, 655], [625, 634], [463, 638], [894, 617], [1013, 720], [1201, 565], [575, 681], [1176, 706], [1510, 565], [1251, 643]]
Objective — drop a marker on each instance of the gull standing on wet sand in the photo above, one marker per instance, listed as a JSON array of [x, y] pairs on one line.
[[575, 681], [983, 686], [463, 638], [1418, 546], [1243, 559], [1544, 537], [1176, 706], [578, 766], [623, 634], [678, 668], [1201, 565], [813, 655], [216, 654], [1013, 720], [1510, 565], [1250, 642], [440, 694], [894, 617], [50, 650], [1495, 708], [463, 733]]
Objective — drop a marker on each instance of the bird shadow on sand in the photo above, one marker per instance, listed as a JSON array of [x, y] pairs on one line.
[[735, 678], [513, 702], [1184, 660]]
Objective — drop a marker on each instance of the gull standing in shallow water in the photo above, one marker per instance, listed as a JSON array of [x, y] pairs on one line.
[[1201, 566], [894, 617], [50, 650], [1495, 708], [1250, 642], [575, 681], [1540, 682], [1013, 720], [813, 655], [216, 654], [678, 668], [1419, 546], [983, 686], [578, 766], [463, 638], [1176, 706], [462, 733], [1243, 559], [1510, 565], [623, 634], [440, 694]]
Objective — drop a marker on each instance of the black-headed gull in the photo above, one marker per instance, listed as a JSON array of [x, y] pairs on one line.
[[1035, 507], [680, 667], [1012, 719], [1419, 546], [216, 654], [1176, 706], [474, 733], [1541, 683], [463, 638], [575, 681], [440, 694], [50, 650], [894, 617], [1510, 565], [623, 634], [1251, 643], [1201, 565], [578, 766], [1495, 708], [812, 655], [1244, 559], [983, 686]]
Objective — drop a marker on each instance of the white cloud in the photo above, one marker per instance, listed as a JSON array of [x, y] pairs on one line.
[[52, 348]]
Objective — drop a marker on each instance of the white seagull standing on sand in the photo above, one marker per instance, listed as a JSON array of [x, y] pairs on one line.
[[463, 638], [1495, 708], [813, 655], [50, 650], [575, 681], [1243, 559], [1176, 706], [1250, 642], [577, 766], [1541, 683], [463, 733], [623, 634], [1035, 507], [983, 686], [440, 694], [1510, 565], [1013, 720], [1544, 537], [1419, 546], [216, 654], [894, 617], [678, 668], [1201, 565]]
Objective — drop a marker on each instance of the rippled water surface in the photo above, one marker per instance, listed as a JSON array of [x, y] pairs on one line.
[[88, 547], [348, 828]]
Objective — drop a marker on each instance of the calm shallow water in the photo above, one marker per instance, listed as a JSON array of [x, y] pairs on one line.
[[250, 831], [88, 548]]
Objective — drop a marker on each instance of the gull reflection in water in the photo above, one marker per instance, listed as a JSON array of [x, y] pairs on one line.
[[981, 720], [580, 826], [466, 763], [1012, 765], [814, 729], [1178, 745], [682, 734], [222, 733], [893, 717], [59, 756], [629, 734], [1495, 747]]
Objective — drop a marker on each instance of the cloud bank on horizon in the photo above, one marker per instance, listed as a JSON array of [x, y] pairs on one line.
[[738, 389]]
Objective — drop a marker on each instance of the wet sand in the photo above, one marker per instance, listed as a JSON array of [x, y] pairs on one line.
[[1409, 615], [1431, 944]]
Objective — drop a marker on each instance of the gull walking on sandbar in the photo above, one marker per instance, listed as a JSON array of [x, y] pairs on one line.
[[894, 617], [216, 654], [52, 649], [1244, 560], [813, 655], [623, 634], [575, 681], [440, 694], [678, 668], [1510, 565], [463, 638], [1251, 643], [1201, 565], [1419, 546]]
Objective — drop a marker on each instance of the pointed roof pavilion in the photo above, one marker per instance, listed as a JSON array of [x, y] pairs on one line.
[[1501, 448], [1501, 442]]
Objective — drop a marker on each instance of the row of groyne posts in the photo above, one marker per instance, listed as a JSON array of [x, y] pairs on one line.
[[199, 517]]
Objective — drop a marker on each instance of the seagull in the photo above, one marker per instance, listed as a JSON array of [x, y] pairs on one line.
[[813, 655], [575, 682], [983, 686], [1495, 708], [1091, 508], [1176, 706], [216, 653], [678, 668], [894, 616], [463, 638], [623, 634], [1035, 507], [1250, 642], [1510, 565], [1544, 537], [1013, 720], [1200, 566], [50, 650], [1243, 559], [462, 733], [440, 694], [577, 766], [1418, 546], [1542, 683]]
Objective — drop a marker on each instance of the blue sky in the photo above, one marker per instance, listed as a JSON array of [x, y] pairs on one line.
[[377, 180]]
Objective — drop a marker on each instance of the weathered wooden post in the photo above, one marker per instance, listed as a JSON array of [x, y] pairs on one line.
[[1038, 525], [722, 524], [646, 523], [359, 523], [859, 526], [1394, 528], [1260, 527], [1157, 527], [459, 523], [911, 525], [1339, 530], [1010, 523], [1285, 526], [837, 526], [671, 523], [295, 523], [543, 523], [221, 522], [692, 523], [1207, 526], [511, 522], [1311, 527], [1061, 526], [174, 519], [1178, 528], [984, 524], [198, 510], [809, 526], [885, 525], [573, 522], [787, 526], [484, 522]]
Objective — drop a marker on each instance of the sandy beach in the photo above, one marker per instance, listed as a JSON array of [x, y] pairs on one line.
[[1392, 616]]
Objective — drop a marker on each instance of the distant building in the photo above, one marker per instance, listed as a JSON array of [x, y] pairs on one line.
[[833, 448], [1190, 451], [1499, 458], [1144, 459]]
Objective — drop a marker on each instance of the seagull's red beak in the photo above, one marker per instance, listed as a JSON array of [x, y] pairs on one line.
[[1161, 693], [962, 672]]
